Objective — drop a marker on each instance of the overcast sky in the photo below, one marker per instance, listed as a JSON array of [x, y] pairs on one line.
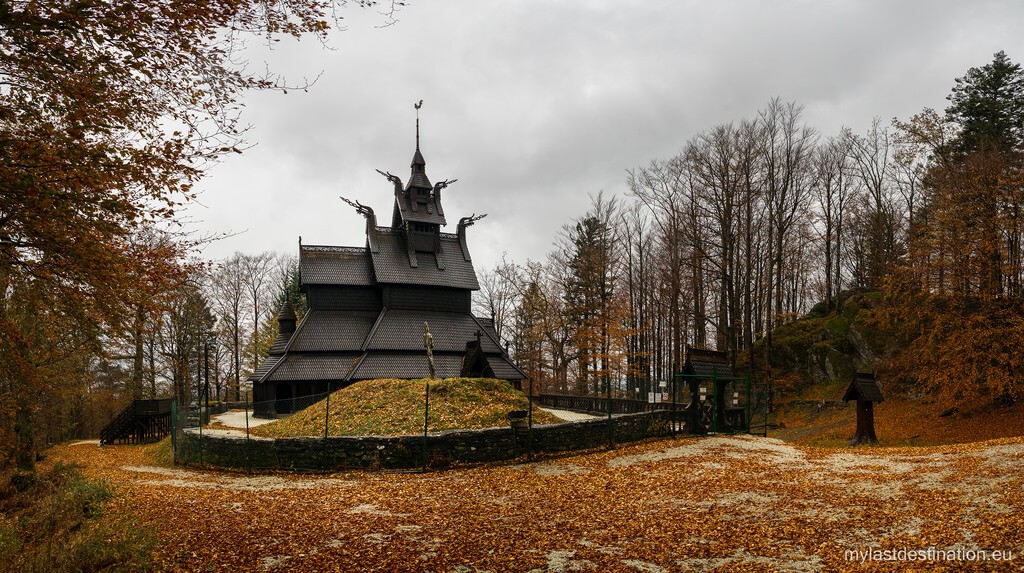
[[533, 105]]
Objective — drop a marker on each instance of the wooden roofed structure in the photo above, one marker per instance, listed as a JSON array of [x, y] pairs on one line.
[[710, 371], [707, 363], [367, 305], [866, 391]]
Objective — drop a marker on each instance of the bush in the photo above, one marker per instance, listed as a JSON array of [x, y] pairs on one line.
[[58, 524]]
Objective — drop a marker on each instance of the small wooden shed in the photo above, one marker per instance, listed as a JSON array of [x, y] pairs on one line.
[[710, 369], [865, 390]]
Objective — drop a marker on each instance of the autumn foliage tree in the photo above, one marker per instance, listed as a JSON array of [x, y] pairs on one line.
[[109, 112], [590, 258], [958, 301]]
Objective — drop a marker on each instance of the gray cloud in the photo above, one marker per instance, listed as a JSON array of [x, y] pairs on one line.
[[534, 105]]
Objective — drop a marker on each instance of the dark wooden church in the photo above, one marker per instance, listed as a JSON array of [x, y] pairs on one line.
[[368, 306]]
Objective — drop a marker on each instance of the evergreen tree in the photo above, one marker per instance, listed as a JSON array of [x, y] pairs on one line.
[[988, 105]]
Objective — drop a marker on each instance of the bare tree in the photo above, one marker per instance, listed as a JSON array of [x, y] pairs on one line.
[[660, 188], [871, 155], [786, 150], [639, 283], [187, 325], [832, 188], [497, 297], [258, 272], [751, 226], [228, 293], [714, 158]]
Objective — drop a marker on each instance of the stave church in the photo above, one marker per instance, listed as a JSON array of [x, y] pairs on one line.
[[367, 306]]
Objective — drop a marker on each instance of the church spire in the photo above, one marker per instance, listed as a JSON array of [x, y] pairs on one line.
[[418, 106], [418, 178]]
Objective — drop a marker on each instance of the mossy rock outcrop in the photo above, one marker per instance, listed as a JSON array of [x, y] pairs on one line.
[[828, 346]]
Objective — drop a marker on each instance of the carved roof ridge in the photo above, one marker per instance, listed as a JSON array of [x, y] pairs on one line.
[[334, 249]]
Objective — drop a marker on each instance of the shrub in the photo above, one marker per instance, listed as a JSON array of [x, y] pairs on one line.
[[58, 524]]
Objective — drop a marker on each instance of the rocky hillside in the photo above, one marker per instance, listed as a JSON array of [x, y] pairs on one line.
[[815, 357], [825, 348]]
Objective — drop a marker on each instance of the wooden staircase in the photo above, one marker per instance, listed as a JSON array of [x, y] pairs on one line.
[[140, 422]]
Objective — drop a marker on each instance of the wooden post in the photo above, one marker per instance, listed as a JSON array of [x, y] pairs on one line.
[[428, 343], [865, 423]]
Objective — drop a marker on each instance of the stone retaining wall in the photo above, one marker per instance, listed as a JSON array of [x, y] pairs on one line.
[[396, 452]]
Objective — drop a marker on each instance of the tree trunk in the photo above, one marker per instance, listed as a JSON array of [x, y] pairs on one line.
[[138, 365], [865, 424], [25, 442], [236, 350]]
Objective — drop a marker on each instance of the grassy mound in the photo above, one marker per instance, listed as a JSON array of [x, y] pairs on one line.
[[160, 453], [390, 407]]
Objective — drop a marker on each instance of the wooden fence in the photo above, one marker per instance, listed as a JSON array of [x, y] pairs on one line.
[[598, 405]]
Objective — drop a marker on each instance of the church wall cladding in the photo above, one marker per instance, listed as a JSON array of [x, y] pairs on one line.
[[441, 299], [344, 298], [319, 454]]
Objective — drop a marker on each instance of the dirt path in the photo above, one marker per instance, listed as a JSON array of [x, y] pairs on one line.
[[712, 504]]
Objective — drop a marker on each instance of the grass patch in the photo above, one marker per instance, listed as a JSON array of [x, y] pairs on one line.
[[58, 524], [160, 453], [829, 390], [392, 407]]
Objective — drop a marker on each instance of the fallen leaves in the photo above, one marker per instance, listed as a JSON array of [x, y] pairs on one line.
[[903, 422], [708, 504]]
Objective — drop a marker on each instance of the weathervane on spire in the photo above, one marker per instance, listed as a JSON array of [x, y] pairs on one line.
[[418, 106]]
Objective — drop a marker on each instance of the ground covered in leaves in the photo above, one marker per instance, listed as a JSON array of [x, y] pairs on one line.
[[392, 407], [687, 504], [902, 422]]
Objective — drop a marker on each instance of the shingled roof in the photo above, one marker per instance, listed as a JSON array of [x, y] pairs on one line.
[[268, 364], [411, 210], [391, 262], [707, 363], [403, 330], [280, 344], [418, 165], [407, 365], [298, 366], [388, 264], [332, 330], [328, 265], [863, 387]]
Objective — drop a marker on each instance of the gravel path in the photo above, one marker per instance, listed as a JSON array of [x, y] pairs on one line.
[[570, 416], [236, 419]]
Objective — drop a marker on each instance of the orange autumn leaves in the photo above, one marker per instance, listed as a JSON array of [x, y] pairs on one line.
[[707, 504]]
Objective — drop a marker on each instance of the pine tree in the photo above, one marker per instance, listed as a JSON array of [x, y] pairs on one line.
[[988, 104]]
